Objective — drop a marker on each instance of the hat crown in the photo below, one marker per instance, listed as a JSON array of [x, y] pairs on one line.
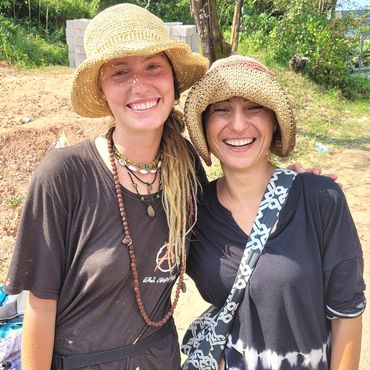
[[240, 61], [123, 26]]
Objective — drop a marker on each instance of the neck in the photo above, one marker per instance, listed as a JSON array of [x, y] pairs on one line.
[[244, 186], [138, 146]]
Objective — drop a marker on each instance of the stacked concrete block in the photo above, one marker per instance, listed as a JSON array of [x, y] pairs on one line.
[[187, 33], [75, 30], [75, 40]]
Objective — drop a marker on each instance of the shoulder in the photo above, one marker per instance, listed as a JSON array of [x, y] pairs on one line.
[[319, 190], [63, 162], [209, 194], [317, 185]]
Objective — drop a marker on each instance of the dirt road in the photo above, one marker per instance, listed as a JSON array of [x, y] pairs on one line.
[[34, 112]]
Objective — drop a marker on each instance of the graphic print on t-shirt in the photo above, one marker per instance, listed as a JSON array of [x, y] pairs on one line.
[[163, 264], [163, 260]]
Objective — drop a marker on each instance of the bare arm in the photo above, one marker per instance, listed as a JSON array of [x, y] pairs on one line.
[[38, 333], [346, 343]]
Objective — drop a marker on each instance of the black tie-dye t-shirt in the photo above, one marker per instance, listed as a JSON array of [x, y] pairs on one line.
[[309, 273]]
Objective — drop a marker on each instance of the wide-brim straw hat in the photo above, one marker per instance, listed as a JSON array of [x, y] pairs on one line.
[[244, 77], [128, 30]]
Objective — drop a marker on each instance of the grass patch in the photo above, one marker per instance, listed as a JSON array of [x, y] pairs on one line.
[[15, 201], [24, 46]]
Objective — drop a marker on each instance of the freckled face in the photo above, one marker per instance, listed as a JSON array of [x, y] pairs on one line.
[[239, 132], [139, 90]]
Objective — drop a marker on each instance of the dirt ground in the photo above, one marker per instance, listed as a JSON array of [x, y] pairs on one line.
[[34, 111]]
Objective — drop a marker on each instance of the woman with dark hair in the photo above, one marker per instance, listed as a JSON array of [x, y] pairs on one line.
[[299, 305]]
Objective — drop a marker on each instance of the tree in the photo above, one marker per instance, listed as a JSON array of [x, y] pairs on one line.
[[206, 18], [236, 25]]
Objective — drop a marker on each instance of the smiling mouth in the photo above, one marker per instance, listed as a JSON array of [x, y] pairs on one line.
[[239, 143], [144, 105]]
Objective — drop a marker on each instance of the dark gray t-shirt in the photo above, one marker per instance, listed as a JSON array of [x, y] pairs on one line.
[[69, 248], [310, 270]]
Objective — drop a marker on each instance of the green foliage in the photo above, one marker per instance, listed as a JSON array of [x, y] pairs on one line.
[[300, 28], [48, 15], [22, 45], [256, 30], [16, 201], [168, 11], [226, 13]]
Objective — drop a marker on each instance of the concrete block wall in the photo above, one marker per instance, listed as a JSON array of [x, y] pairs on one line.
[[75, 30], [75, 40]]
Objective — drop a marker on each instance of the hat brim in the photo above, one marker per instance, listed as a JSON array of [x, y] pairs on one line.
[[85, 97], [252, 85]]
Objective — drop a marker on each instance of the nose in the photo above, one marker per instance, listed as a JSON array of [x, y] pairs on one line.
[[238, 120], [138, 83]]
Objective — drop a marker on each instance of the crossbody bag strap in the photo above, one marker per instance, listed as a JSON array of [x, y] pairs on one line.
[[206, 349]]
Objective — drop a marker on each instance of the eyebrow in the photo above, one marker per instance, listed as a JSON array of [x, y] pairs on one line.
[[123, 63]]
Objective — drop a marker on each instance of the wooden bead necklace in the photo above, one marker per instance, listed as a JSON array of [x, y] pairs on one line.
[[127, 241]]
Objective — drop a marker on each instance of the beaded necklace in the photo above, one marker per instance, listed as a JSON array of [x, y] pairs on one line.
[[143, 168], [127, 241]]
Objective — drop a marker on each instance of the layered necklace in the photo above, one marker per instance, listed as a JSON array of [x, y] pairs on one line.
[[127, 241], [133, 168]]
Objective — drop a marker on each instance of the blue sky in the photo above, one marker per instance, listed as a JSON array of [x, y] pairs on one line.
[[353, 4]]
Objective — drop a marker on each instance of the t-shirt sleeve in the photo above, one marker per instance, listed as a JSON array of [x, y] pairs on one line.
[[39, 254], [341, 255]]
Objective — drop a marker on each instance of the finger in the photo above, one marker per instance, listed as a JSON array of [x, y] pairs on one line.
[[314, 170], [333, 176], [297, 167]]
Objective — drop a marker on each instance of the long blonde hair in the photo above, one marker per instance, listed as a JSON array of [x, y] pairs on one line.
[[179, 184]]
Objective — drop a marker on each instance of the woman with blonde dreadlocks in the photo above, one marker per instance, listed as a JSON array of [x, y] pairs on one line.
[[103, 233]]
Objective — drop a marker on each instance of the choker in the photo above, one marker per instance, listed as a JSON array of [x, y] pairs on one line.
[[143, 168]]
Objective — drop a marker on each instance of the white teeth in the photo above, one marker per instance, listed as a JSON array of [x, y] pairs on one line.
[[238, 142], [142, 106]]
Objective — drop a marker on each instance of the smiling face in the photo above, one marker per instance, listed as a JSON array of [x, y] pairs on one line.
[[139, 91], [239, 132]]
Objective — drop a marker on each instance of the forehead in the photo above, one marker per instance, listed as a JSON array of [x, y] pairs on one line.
[[135, 60]]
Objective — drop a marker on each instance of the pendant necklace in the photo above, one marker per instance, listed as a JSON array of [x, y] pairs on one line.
[[149, 206]]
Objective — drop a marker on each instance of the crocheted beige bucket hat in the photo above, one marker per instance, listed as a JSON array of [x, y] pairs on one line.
[[127, 30], [244, 77]]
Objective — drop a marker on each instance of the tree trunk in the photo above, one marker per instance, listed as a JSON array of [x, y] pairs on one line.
[[321, 6], [259, 6], [333, 5], [29, 9], [236, 25], [206, 18], [47, 21], [14, 15]]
